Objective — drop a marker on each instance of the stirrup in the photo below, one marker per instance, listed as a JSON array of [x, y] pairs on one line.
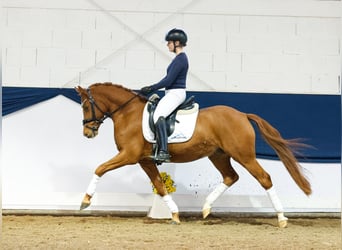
[[162, 156]]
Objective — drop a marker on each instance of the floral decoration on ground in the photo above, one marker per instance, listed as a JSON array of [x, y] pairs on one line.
[[169, 183]]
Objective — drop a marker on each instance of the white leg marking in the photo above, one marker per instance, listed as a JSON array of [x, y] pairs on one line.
[[92, 185], [170, 203], [275, 200], [282, 220], [214, 195]]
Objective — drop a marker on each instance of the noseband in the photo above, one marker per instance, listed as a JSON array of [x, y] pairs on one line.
[[98, 121]]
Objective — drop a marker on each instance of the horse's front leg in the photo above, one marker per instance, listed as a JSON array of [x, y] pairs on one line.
[[118, 161], [152, 171]]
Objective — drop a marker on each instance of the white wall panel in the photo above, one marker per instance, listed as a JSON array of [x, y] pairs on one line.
[[60, 75], [213, 42], [282, 26], [21, 57], [283, 63], [294, 8], [50, 4], [234, 7], [322, 81], [99, 75], [249, 44], [80, 20], [34, 76], [227, 62], [199, 62], [80, 58], [252, 63], [36, 38], [13, 39], [96, 39], [212, 80], [11, 75], [227, 40], [44, 56], [139, 59], [320, 27], [66, 39], [325, 46]]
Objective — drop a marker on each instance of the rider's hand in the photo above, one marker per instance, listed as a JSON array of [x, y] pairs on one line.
[[146, 90]]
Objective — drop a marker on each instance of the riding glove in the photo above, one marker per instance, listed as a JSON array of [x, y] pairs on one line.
[[146, 90]]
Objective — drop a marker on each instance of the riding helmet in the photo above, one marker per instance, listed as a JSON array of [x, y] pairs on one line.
[[177, 35]]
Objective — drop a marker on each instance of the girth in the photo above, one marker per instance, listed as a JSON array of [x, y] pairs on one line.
[[171, 119]]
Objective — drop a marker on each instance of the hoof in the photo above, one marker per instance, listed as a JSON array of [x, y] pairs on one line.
[[84, 205], [206, 211], [282, 223], [175, 222], [175, 219], [282, 220]]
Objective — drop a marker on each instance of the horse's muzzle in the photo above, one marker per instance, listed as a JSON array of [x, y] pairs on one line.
[[90, 132]]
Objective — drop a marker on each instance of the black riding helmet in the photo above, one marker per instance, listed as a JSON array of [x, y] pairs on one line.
[[177, 35]]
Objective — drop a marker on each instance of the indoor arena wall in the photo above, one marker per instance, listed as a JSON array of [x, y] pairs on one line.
[[236, 47]]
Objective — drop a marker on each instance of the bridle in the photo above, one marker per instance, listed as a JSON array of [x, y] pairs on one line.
[[98, 121]]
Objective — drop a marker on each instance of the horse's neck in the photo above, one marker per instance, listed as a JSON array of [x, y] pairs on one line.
[[125, 101]]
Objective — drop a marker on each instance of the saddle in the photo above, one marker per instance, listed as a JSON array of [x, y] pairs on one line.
[[186, 106]]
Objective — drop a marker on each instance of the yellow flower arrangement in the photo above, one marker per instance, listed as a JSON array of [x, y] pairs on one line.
[[169, 183]]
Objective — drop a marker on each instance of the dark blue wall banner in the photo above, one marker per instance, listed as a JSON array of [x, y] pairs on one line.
[[16, 98], [314, 118]]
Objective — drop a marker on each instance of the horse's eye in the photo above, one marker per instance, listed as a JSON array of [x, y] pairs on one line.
[[85, 108]]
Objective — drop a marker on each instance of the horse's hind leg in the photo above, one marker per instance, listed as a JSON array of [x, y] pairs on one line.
[[264, 179], [222, 162]]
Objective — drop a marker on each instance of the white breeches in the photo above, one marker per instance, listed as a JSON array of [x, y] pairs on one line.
[[172, 99]]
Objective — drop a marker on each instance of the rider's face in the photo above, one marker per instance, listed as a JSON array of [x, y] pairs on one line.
[[170, 45]]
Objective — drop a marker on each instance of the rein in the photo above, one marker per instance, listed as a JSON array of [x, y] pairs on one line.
[[105, 114]]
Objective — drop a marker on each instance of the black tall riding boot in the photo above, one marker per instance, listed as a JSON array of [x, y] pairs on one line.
[[161, 138]]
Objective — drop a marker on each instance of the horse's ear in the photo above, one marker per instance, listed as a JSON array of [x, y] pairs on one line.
[[79, 90]]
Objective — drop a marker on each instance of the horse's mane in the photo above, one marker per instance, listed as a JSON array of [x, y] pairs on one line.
[[119, 86]]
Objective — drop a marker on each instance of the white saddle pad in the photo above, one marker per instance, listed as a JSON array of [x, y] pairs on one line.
[[184, 128]]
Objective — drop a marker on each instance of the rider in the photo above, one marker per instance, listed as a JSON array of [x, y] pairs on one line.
[[175, 89]]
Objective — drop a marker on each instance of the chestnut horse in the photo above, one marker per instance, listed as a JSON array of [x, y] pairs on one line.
[[221, 133]]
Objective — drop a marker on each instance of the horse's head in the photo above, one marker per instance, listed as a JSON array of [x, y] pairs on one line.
[[93, 114], [103, 100]]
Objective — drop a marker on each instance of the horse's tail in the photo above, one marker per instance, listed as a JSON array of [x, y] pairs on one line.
[[284, 150]]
